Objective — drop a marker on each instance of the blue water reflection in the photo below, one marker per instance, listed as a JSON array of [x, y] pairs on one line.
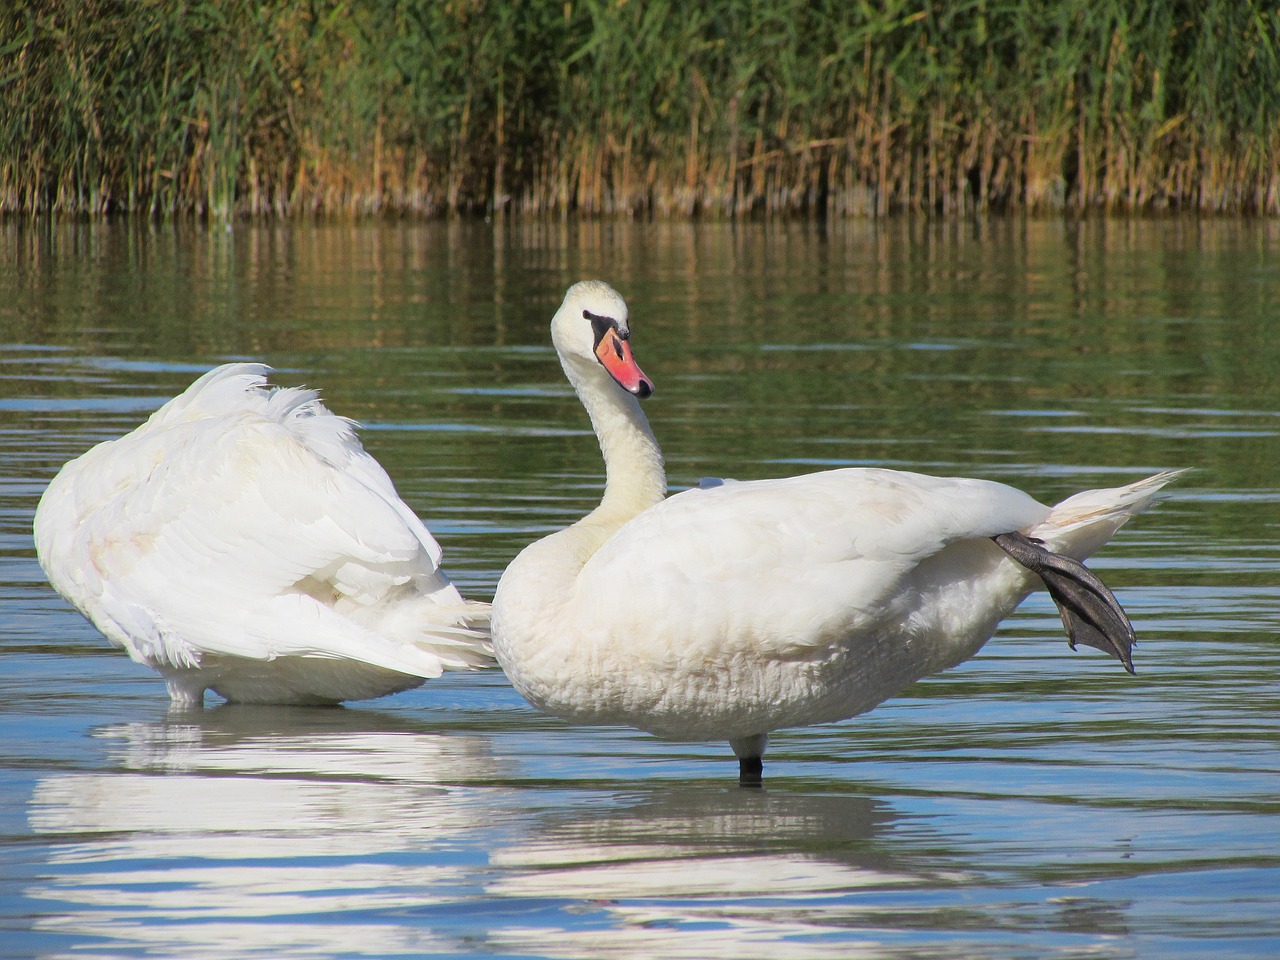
[[1034, 802]]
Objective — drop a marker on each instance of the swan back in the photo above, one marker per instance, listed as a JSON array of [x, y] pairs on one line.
[[243, 522]]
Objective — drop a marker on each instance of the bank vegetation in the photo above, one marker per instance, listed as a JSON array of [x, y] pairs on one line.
[[229, 108]]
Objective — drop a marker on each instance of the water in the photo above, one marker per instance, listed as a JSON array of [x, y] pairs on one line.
[[1031, 803]]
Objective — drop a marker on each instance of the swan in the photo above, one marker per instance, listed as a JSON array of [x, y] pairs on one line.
[[242, 541], [734, 609]]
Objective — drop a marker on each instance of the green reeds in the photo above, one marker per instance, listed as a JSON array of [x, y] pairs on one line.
[[666, 108]]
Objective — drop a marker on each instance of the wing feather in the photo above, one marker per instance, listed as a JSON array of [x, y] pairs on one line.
[[791, 560], [242, 522]]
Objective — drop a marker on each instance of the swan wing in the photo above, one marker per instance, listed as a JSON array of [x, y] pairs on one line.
[[790, 563], [248, 524]]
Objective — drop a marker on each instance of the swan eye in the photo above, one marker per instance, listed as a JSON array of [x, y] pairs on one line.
[[601, 325]]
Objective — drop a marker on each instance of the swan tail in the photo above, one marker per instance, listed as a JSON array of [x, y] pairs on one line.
[[455, 635], [1081, 524]]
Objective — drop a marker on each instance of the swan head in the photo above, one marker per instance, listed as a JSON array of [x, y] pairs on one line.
[[591, 332]]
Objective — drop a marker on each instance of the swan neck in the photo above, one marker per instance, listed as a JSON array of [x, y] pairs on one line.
[[635, 478]]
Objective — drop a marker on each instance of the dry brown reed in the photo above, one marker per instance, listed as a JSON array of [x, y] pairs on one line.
[[659, 109]]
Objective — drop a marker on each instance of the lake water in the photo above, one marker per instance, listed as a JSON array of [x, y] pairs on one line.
[[1032, 803]]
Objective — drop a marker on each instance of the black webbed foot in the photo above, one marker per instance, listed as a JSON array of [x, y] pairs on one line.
[[1090, 611]]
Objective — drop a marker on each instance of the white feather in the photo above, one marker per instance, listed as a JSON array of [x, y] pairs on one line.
[[243, 531], [734, 609]]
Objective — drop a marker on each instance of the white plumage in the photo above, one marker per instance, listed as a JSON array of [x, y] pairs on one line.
[[735, 609], [242, 540]]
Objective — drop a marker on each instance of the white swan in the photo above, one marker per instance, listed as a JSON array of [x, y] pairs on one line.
[[241, 540], [736, 609]]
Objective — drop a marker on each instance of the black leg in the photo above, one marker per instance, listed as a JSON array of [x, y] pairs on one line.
[[751, 772], [1090, 611]]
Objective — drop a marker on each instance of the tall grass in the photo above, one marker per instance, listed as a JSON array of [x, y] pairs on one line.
[[663, 108]]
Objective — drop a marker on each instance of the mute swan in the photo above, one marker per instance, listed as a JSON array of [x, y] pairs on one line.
[[739, 608], [241, 540]]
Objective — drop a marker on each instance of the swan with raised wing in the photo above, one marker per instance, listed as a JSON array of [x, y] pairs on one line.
[[242, 541], [739, 608]]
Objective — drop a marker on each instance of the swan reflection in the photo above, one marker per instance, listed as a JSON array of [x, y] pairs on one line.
[[264, 832], [693, 873], [318, 820]]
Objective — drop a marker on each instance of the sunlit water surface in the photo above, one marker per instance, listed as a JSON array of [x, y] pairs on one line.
[[1032, 803]]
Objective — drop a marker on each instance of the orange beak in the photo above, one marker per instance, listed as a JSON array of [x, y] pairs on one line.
[[614, 354]]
